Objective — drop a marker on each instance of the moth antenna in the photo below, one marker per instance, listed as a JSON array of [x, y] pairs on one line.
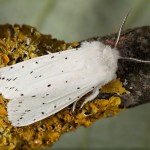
[[120, 29], [118, 37], [134, 59]]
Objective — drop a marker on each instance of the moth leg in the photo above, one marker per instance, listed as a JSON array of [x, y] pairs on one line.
[[94, 93], [74, 106], [48, 52]]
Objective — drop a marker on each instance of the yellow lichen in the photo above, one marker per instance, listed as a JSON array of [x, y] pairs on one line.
[[5, 59], [22, 43], [114, 87], [103, 108], [3, 111]]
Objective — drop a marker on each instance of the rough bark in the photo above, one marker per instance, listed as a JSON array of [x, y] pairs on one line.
[[136, 76]]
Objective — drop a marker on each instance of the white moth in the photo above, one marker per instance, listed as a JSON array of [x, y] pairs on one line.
[[40, 87]]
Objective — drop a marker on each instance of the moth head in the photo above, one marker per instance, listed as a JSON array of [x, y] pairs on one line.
[[110, 56]]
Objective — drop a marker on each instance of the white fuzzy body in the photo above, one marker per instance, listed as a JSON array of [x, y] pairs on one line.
[[45, 85]]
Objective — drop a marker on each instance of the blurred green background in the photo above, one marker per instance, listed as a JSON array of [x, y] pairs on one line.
[[75, 20]]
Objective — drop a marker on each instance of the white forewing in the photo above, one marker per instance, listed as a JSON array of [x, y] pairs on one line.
[[27, 110], [14, 79], [42, 86]]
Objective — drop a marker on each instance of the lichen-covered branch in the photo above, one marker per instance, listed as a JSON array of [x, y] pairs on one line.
[[20, 43]]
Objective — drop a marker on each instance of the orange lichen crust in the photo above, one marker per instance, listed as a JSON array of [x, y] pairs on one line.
[[19, 43]]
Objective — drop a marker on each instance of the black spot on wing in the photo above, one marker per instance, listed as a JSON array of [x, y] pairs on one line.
[[11, 88], [15, 78], [48, 85], [27, 110], [38, 76]]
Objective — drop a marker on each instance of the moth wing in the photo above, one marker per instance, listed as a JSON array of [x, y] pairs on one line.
[[15, 79], [26, 110], [38, 104], [55, 80]]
